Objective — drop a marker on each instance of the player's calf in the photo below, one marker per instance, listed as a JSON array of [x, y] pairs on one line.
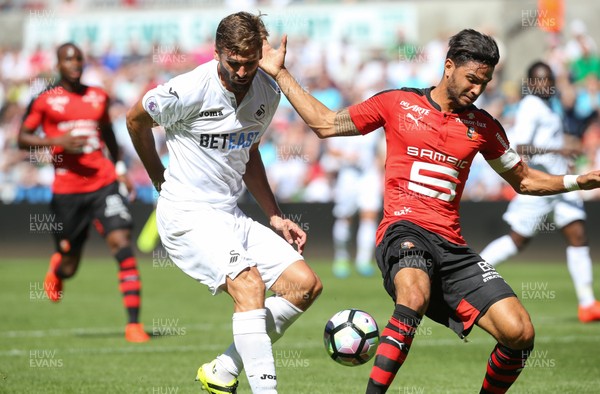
[[503, 369], [508, 321], [395, 341]]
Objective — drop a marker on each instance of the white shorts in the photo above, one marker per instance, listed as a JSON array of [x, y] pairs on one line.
[[527, 215], [356, 190], [209, 244]]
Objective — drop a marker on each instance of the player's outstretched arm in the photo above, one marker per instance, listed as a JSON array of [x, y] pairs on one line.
[[323, 121], [139, 125], [526, 180]]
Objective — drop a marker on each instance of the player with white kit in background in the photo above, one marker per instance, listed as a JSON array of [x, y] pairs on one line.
[[539, 135], [358, 190]]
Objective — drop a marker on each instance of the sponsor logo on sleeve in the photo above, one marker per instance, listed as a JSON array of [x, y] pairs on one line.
[[151, 105]]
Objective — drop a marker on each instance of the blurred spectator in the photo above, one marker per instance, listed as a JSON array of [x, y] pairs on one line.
[[325, 90], [580, 41], [111, 59], [582, 53], [556, 55], [40, 61], [587, 102], [587, 64]]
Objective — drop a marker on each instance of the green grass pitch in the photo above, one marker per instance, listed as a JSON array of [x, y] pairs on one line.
[[77, 345]]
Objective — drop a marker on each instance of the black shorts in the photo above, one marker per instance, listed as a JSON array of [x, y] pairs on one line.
[[463, 286], [106, 208]]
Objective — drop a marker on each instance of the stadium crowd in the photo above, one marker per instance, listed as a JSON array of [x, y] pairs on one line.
[[338, 74]]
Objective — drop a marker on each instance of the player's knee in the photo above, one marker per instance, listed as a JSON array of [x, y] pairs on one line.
[[118, 239], [314, 289], [416, 301], [520, 335], [577, 240], [308, 287], [413, 291]]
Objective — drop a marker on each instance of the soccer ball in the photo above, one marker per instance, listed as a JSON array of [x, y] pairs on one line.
[[351, 337]]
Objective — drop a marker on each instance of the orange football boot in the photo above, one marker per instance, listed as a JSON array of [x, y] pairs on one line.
[[134, 332], [52, 283], [590, 313]]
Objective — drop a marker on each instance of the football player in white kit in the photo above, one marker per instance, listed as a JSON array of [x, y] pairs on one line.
[[358, 189], [539, 135], [214, 117]]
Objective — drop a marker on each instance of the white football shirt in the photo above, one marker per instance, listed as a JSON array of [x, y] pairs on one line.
[[208, 135], [538, 125]]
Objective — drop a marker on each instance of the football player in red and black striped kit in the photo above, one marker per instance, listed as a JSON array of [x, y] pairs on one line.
[[76, 130], [432, 136]]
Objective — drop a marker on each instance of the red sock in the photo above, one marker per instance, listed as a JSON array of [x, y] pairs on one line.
[[504, 367], [129, 283], [394, 344]]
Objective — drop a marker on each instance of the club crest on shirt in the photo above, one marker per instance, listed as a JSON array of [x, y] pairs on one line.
[[260, 113], [407, 245], [472, 133]]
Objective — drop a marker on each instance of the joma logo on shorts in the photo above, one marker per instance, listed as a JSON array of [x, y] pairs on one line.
[[267, 376]]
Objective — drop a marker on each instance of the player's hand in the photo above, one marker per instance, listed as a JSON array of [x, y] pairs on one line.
[[290, 231], [71, 143], [589, 181], [127, 190], [273, 60]]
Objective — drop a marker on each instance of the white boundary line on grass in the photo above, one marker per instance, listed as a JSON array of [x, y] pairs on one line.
[[144, 348], [67, 332]]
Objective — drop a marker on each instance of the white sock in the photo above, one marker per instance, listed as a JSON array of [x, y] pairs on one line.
[[280, 315], [341, 237], [580, 268], [365, 240], [499, 250], [254, 346]]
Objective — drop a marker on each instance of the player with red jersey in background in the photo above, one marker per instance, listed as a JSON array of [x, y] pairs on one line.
[[77, 128], [432, 136]]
